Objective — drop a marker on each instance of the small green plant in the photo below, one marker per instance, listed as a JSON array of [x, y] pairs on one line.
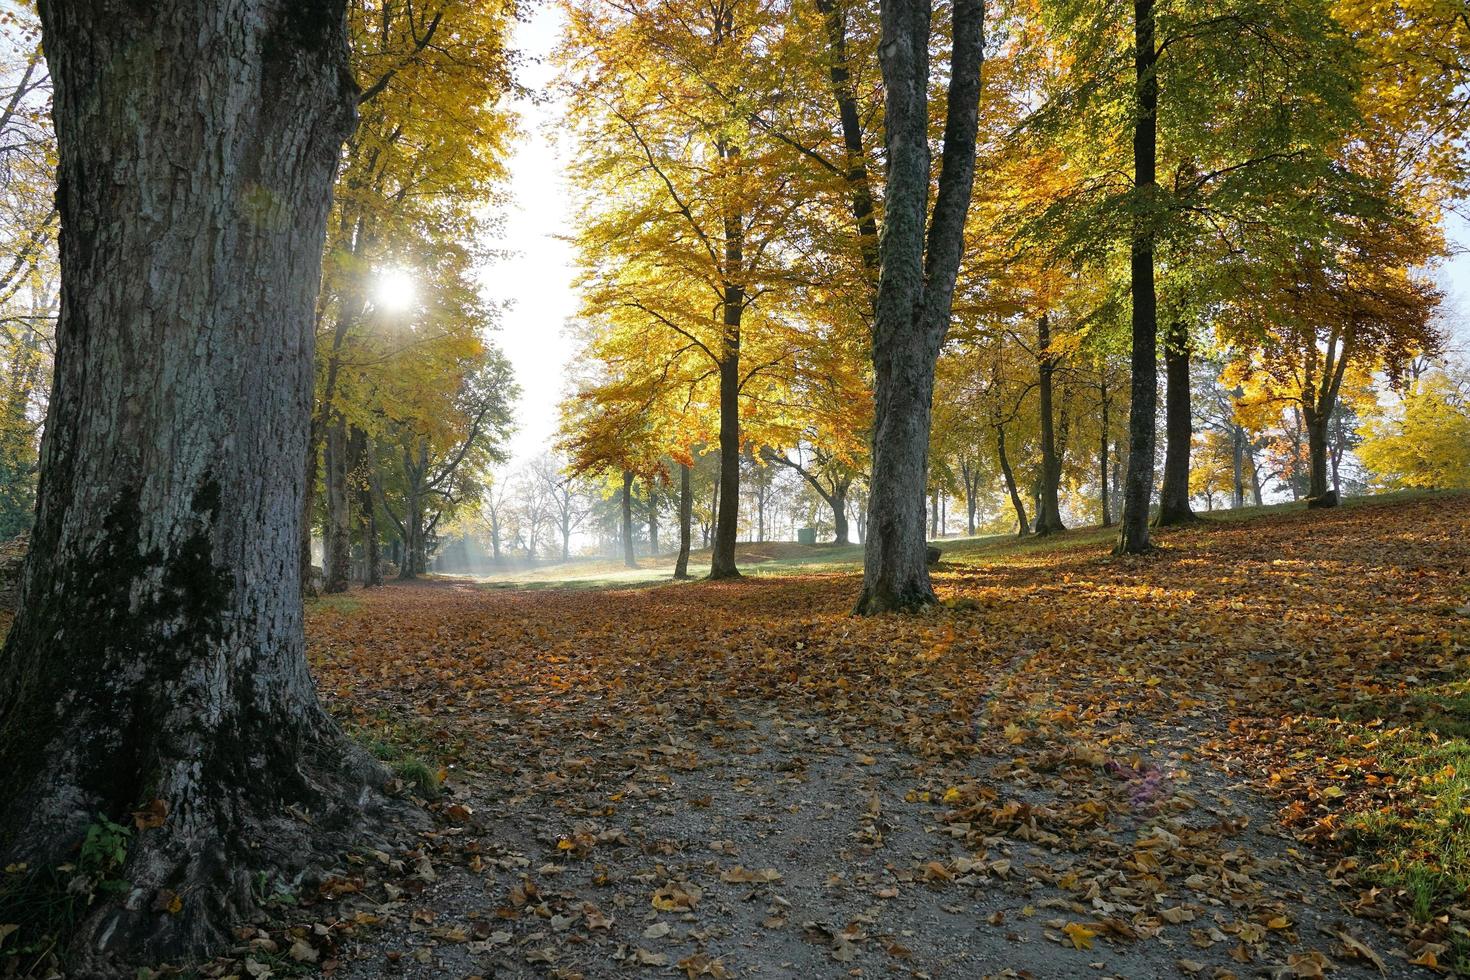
[[268, 892], [104, 852]]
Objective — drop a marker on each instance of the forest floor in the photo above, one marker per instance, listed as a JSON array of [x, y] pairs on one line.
[[1245, 754]]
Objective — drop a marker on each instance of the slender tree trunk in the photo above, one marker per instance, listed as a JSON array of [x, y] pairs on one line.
[[372, 550], [838, 501], [157, 659], [363, 462], [1237, 467], [686, 521], [413, 528], [1048, 512], [1022, 528], [628, 556], [1102, 459], [1178, 429], [722, 561], [652, 518], [1256, 497], [860, 192], [337, 560], [1316, 425], [349, 309], [916, 286], [1141, 413]]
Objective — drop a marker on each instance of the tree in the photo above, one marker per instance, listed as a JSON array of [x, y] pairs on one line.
[[686, 204], [444, 453], [399, 299], [1425, 441], [1208, 174], [1352, 302], [163, 557], [915, 286], [569, 500]]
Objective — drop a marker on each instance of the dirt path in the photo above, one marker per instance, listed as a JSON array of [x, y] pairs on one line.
[[760, 844], [1063, 772]]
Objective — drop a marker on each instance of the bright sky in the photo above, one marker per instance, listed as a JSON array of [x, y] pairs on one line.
[[538, 279]]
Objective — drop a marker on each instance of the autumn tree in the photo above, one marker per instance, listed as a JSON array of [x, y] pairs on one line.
[[919, 254], [685, 207], [1423, 440], [163, 557], [399, 305]]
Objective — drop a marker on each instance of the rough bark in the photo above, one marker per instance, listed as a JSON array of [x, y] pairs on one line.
[[1138, 489], [1048, 512], [1178, 429], [916, 286], [159, 651], [629, 558], [686, 523]]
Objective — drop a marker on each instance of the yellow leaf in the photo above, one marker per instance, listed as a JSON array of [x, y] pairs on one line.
[[1080, 935]]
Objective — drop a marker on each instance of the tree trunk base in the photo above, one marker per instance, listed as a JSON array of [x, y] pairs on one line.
[[723, 574], [1128, 545], [1175, 517], [187, 881], [914, 599], [1328, 499], [1046, 530]]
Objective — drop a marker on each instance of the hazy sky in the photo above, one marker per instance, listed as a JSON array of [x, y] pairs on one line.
[[538, 279]]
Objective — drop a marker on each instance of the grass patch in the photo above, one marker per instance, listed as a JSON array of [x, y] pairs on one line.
[[345, 603], [402, 749], [1410, 826]]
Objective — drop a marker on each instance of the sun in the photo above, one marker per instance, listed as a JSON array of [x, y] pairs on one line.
[[395, 290]]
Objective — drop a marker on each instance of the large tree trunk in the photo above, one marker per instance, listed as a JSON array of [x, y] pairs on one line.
[[629, 558], [686, 523], [157, 660], [1138, 490], [1022, 528], [916, 286], [1048, 512], [1178, 429], [337, 559]]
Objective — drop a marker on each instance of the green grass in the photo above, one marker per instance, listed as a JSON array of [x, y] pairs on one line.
[[403, 750], [345, 603], [1416, 841]]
